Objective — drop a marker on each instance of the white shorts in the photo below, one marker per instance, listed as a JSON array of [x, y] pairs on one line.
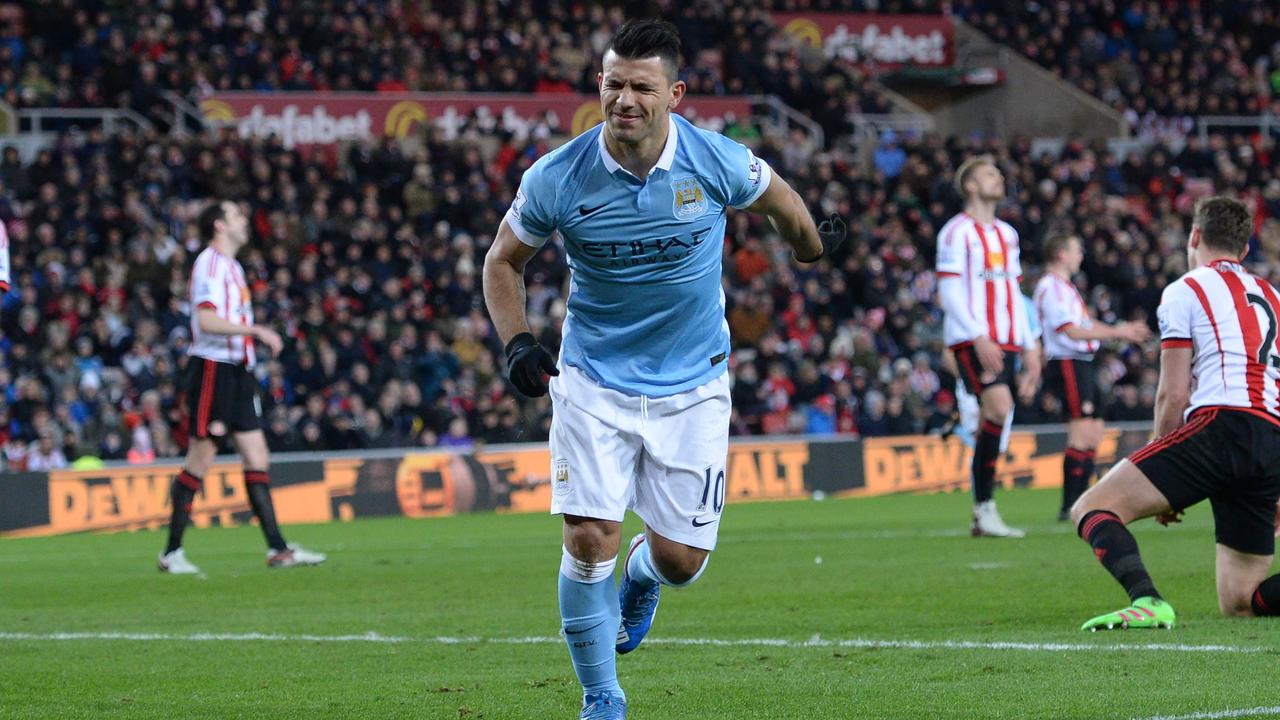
[[662, 457], [967, 405]]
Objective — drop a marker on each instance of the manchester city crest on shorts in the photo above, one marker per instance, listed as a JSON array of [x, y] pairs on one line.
[[560, 481], [691, 200]]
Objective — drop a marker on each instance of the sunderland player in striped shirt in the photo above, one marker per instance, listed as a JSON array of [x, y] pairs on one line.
[[1071, 338], [222, 392], [1217, 426], [986, 323], [641, 394]]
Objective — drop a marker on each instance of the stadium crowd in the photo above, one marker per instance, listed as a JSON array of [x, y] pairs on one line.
[[76, 54], [369, 263], [1160, 63]]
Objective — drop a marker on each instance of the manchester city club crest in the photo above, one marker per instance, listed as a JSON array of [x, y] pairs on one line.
[[691, 200], [561, 481]]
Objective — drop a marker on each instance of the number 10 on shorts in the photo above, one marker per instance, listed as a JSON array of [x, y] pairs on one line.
[[716, 494]]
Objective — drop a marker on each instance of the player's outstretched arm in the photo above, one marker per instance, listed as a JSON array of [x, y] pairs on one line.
[[504, 295], [787, 212], [1132, 332]]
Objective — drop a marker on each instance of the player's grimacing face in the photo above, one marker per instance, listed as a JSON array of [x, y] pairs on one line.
[[634, 95]]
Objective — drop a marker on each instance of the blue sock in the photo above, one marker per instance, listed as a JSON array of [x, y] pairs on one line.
[[591, 617], [641, 570]]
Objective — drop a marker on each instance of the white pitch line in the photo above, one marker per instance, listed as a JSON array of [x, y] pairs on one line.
[[1249, 712], [813, 642]]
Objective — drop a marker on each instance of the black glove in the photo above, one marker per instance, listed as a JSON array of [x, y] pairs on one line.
[[526, 362], [831, 232]]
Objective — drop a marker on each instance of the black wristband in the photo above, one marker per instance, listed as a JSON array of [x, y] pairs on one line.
[[520, 341]]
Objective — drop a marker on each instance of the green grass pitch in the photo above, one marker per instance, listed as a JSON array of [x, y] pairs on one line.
[[871, 608]]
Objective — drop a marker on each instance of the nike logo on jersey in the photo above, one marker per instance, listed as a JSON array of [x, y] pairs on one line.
[[700, 524], [584, 210]]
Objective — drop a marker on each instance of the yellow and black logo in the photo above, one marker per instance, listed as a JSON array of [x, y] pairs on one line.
[[217, 111], [403, 116], [585, 118]]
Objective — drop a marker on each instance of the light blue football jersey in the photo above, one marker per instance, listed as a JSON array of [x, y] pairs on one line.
[[645, 306]]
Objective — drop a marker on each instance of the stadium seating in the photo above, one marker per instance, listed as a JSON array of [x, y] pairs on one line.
[[1161, 64], [128, 58]]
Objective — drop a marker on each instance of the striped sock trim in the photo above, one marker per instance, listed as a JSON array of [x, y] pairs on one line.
[[257, 476], [1090, 522]]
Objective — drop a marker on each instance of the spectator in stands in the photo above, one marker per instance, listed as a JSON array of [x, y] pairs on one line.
[[43, 454]]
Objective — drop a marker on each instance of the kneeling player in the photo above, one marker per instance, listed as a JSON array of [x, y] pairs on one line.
[[1218, 326]]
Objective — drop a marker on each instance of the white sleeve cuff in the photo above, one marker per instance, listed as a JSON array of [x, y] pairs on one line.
[[525, 236]]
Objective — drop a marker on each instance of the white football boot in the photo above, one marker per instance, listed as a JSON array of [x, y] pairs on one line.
[[176, 563], [988, 523], [292, 556]]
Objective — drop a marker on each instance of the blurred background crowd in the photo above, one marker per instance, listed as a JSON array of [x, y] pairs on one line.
[[368, 260]]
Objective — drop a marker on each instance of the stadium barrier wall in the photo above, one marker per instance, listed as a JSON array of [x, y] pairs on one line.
[[311, 488]]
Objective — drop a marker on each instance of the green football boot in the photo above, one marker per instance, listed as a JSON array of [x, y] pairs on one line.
[[1145, 612]]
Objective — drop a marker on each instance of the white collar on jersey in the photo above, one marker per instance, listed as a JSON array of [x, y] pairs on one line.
[[665, 160]]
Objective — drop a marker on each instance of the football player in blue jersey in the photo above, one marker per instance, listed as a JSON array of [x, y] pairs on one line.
[[640, 393]]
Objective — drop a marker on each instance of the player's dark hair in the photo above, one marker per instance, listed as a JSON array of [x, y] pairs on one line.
[[211, 214], [642, 39], [1054, 246], [1225, 224]]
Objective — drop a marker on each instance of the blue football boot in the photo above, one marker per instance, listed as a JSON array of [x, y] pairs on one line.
[[639, 605]]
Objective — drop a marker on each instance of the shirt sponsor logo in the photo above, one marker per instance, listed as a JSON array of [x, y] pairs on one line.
[[631, 253]]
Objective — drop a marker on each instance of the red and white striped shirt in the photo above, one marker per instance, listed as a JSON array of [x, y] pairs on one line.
[[986, 259], [1061, 307], [1228, 318], [217, 282]]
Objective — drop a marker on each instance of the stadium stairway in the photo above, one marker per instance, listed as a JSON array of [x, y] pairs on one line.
[[1027, 100]]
